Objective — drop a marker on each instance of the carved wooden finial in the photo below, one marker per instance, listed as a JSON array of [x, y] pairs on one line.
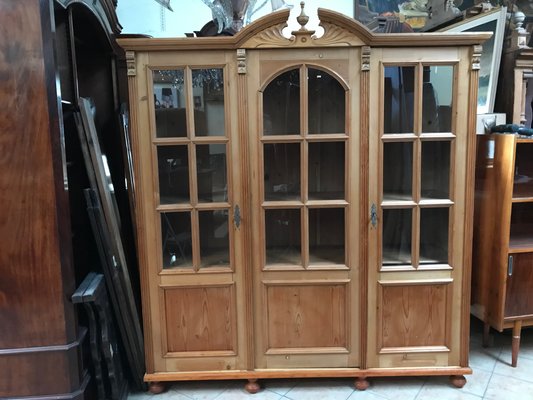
[[303, 35], [302, 19]]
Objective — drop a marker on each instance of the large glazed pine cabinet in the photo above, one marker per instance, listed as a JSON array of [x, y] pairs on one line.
[[304, 204]]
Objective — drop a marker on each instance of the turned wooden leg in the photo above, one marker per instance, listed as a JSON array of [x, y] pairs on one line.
[[486, 331], [458, 380], [517, 327], [156, 387], [361, 383], [252, 386]]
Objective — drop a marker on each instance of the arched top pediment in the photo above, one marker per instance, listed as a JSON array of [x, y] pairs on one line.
[[339, 31]]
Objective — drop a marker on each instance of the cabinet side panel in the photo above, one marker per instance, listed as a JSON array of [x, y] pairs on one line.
[[492, 214], [32, 295]]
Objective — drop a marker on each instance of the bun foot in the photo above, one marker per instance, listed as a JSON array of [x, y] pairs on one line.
[[156, 387], [361, 383], [252, 386], [458, 381]]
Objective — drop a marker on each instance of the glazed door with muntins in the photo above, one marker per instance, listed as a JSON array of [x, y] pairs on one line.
[[194, 261], [305, 252]]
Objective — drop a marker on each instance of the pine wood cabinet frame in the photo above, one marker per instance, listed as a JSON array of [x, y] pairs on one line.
[[355, 58]]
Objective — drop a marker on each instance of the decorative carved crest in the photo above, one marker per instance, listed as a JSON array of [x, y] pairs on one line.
[[476, 57], [336, 35], [241, 61], [365, 58]]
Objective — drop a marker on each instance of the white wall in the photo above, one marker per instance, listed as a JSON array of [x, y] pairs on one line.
[[150, 18]]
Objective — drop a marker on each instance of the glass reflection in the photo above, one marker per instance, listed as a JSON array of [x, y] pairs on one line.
[[434, 235], [326, 103], [211, 172], [214, 238], [396, 237], [173, 164], [326, 170], [326, 236], [397, 171], [208, 100], [435, 170], [437, 96], [523, 171], [176, 239], [282, 171], [170, 103], [398, 110], [281, 105], [283, 237]]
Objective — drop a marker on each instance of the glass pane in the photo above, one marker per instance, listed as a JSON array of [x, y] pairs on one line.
[[176, 239], [169, 100], [434, 235], [281, 105], [214, 238], [521, 226], [398, 107], [208, 100], [397, 226], [326, 103], [397, 171], [437, 95], [523, 172], [173, 163], [282, 171], [211, 172], [283, 243], [326, 171], [435, 170], [326, 236]]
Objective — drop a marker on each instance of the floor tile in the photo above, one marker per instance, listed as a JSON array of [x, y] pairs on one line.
[[405, 388], [437, 390], [523, 371], [508, 388], [367, 395], [477, 382], [239, 393], [484, 358], [202, 390], [170, 395], [280, 386], [322, 389], [139, 395]]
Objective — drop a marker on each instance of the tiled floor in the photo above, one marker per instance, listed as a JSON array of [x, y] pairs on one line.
[[493, 379]]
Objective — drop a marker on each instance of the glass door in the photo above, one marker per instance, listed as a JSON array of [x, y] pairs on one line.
[[302, 264], [416, 203], [195, 265]]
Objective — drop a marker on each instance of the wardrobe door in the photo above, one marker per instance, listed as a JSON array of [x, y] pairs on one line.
[[305, 258], [417, 198], [190, 200]]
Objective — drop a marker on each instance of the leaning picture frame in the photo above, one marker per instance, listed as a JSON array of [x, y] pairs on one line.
[[493, 21]]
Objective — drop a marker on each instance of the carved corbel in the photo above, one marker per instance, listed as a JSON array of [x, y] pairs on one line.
[[130, 63], [241, 61], [476, 57], [365, 58]]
